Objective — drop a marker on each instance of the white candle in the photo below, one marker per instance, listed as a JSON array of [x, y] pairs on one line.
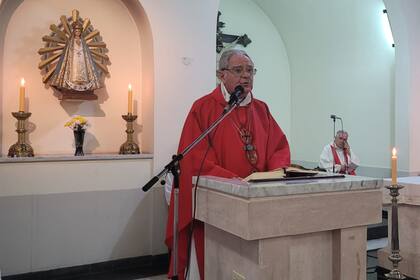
[[22, 95], [130, 99], [394, 167]]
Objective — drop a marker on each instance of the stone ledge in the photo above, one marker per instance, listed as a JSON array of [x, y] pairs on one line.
[[88, 157]]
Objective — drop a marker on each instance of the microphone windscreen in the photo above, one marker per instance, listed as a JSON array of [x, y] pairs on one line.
[[239, 89]]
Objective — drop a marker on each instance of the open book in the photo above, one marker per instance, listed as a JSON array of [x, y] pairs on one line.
[[352, 166], [280, 173]]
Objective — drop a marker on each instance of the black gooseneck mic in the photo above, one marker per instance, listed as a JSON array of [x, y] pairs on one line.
[[334, 118], [235, 97]]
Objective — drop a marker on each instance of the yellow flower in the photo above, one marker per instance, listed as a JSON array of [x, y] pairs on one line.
[[77, 121]]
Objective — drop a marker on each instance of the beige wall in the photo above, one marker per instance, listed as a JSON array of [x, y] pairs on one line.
[[170, 62], [28, 23], [152, 44]]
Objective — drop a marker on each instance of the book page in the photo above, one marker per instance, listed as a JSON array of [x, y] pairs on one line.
[[352, 166], [280, 173], [297, 172], [275, 174]]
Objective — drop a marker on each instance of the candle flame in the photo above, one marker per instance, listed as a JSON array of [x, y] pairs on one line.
[[129, 87], [22, 82], [394, 152]]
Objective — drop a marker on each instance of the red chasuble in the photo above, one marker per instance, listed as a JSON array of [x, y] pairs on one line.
[[226, 157]]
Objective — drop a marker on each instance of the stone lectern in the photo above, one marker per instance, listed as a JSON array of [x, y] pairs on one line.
[[291, 230]]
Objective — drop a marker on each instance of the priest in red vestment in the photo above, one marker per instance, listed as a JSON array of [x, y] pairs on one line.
[[246, 141]]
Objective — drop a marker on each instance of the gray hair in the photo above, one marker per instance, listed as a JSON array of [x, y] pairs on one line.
[[226, 55], [341, 132]]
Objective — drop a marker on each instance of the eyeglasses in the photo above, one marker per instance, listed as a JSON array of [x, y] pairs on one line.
[[251, 152], [239, 70], [342, 137]]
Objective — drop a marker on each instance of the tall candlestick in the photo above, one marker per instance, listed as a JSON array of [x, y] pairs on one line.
[[394, 167], [130, 99], [22, 95]]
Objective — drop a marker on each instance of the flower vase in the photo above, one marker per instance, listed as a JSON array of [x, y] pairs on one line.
[[79, 136]]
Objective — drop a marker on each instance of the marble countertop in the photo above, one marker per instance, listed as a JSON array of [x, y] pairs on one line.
[[243, 189], [415, 180], [86, 157], [409, 194]]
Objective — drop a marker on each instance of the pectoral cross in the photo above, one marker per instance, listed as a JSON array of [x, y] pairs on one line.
[[247, 139], [228, 38]]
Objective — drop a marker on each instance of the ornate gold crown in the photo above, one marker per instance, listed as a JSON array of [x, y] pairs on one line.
[[76, 25]]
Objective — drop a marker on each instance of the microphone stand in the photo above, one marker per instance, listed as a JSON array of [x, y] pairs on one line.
[[334, 118], [173, 167]]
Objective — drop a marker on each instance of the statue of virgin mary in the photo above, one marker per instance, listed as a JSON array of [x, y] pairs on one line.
[[74, 59], [76, 70]]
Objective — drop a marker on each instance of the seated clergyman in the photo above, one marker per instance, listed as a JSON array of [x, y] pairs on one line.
[[338, 157]]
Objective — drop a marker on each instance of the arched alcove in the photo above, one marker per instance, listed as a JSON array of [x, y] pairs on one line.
[[124, 26], [147, 71], [171, 70]]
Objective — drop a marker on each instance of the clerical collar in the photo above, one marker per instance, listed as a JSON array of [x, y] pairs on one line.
[[226, 96], [336, 147]]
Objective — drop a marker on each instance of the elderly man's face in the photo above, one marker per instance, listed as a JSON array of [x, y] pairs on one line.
[[341, 139], [239, 72]]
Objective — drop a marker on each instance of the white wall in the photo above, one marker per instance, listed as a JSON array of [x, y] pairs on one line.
[[272, 82], [341, 63], [184, 59], [62, 212], [404, 19]]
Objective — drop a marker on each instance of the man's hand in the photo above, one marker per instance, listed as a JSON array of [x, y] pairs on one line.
[[347, 147]]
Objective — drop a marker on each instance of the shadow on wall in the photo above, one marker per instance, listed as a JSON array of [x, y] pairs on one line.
[[6, 12]]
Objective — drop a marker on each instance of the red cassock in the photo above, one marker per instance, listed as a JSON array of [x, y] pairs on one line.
[[226, 157]]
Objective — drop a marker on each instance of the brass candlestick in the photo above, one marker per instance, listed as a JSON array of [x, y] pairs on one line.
[[129, 146], [395, 256], [21, 148]]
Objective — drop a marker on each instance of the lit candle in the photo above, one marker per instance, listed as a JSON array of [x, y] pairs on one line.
[[394, 167], [22, 95], [130, 99]]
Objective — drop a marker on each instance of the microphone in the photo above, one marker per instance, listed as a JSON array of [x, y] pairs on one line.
[[235, 96], [150, 183], [334, 117]]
